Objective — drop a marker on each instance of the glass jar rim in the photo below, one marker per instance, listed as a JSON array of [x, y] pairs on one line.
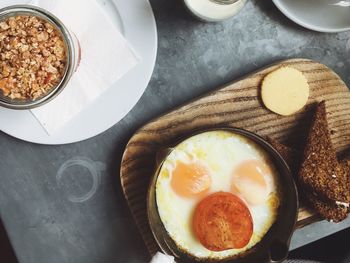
[[14, 10]]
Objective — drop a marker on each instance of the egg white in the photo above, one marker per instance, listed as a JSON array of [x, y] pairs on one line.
[[220, 152]]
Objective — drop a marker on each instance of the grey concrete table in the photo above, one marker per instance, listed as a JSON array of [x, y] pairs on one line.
[[47, 223]]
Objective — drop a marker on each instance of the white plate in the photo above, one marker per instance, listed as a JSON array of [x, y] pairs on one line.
[[136, 21], [320, 15]]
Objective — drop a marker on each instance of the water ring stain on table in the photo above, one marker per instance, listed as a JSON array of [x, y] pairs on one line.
[[94, 168]]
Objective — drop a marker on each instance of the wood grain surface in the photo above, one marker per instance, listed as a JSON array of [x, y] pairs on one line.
[[237, 104]]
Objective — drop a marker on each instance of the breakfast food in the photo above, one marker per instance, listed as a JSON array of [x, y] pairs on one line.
[[328, 209], [222, 221], [326, 181], [291, 156], [285, 91], [320, 170], [346, 164], [33, 57], [228, 199]]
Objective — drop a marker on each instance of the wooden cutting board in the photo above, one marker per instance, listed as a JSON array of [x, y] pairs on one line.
[[235, 105]]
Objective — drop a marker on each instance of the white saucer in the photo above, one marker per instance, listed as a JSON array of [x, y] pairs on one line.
[[320, 15], [136, 21]]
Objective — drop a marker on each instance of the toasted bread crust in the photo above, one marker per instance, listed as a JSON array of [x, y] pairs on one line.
[[327, 208], [290, 155], [320, 169]]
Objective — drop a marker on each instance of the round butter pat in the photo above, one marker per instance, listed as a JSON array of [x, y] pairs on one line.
[[285, 91]]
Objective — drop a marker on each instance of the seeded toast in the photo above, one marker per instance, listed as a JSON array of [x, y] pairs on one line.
[[328, 209], [290, 155], [320, 171], [346, 164]]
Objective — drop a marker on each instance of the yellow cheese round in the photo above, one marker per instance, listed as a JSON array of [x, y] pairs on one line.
[[285, 91]]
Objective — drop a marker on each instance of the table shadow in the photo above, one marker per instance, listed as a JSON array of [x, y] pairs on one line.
[[6, 251], [332, 249]]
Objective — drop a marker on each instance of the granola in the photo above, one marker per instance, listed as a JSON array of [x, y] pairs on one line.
[[32, 57]]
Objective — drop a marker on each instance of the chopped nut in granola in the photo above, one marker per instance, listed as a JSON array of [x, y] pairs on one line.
[[32, 57]]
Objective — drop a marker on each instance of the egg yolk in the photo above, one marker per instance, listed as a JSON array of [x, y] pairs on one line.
[[249, 181], [190, 180]]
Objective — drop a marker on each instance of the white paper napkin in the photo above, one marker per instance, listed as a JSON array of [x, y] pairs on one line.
[[105, 57]]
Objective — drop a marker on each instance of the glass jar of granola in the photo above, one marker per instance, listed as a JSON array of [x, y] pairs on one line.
[[38, 56]]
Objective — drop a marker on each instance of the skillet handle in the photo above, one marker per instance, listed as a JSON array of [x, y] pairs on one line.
[[278, 251]]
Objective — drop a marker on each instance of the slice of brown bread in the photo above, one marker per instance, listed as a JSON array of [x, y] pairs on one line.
[[290, 155], [345, 163], [320, 170], [331, 210], [328, 209]]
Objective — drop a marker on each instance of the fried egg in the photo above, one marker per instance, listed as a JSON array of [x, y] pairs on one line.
[[212, 162]]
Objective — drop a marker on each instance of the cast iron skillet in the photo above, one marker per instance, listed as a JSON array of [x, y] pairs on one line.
[[274, 246]]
